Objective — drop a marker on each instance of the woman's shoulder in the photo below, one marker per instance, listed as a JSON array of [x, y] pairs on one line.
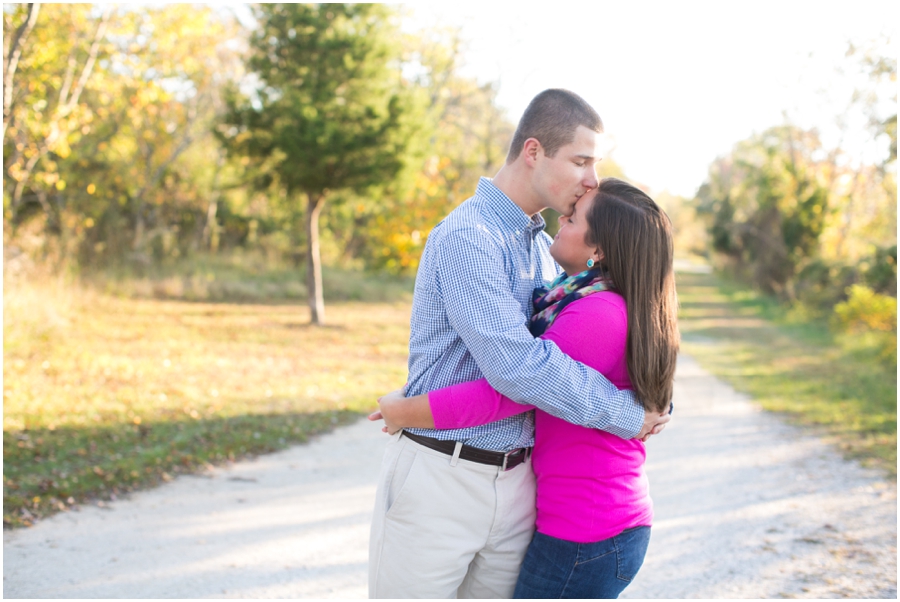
[[607, 306], [594, 330], [604, 301]]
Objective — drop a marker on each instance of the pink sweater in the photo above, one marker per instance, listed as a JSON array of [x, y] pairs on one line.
[[590, 484]]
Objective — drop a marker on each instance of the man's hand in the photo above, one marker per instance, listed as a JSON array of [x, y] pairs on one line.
[[653, 424]]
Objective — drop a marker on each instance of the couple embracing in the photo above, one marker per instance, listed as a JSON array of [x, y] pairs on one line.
[[538, 369]]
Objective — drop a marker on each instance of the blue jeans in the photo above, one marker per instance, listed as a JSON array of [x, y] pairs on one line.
[[556, 568]]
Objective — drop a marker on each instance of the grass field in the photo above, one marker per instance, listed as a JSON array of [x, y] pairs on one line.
[[105, 394], [836, 384]]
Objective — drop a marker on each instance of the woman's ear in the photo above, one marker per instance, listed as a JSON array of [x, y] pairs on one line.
[[598, 255]]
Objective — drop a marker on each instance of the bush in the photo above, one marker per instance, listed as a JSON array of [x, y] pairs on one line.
[[822, 284], [881, 272], [866, 311]]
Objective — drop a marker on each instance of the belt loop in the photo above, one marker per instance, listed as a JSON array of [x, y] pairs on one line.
[[456, 450]]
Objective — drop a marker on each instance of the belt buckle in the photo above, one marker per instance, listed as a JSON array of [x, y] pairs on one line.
[[506, 458]]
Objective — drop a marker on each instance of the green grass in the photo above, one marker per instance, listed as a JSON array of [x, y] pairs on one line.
[[241, 277], [105, 394], [794, 364]]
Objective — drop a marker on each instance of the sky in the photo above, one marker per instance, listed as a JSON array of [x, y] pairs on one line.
[[676, 83]]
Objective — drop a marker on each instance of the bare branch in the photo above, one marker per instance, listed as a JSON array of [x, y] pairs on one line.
[[187, 138], [69, 78], [20, 185], [11, 61], [92, 57]]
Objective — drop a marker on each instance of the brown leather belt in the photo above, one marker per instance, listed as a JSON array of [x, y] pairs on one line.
[[505, 461]]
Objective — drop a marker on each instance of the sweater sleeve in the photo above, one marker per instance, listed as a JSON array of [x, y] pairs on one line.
[[591, 330]]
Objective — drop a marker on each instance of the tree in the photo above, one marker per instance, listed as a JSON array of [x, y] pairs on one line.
[[330, 111], [468, 138], [878, 100], [768, 201], [107, 106], [171, 72], [46, 107]]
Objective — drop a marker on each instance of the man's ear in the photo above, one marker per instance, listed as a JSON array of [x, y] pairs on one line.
[[531, 150]]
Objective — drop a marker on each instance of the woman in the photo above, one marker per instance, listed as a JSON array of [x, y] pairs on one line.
[[619, 317]]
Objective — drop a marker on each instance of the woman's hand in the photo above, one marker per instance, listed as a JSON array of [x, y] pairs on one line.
[[400, 412], [389, 411]]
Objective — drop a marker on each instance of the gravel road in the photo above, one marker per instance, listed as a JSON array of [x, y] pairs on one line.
[[746, 507]]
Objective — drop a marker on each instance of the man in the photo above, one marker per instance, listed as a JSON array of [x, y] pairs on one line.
[[454, 510]]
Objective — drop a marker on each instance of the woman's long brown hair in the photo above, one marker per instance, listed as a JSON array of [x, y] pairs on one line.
[[635, 236]]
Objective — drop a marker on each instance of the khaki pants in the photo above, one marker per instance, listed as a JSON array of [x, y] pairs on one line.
[[444, 531]]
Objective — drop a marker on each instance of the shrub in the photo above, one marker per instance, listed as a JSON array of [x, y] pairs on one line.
[[866, 311], [881, 272]]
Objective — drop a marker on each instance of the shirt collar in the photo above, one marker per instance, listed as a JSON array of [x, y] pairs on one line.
[[510, 213]]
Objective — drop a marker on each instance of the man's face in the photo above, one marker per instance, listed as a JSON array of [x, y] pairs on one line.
[[562, 179]]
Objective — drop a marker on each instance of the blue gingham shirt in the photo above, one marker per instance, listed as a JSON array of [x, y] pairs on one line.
[[470, 317]]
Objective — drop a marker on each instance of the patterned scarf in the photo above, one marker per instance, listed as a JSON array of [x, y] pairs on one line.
[[550, 300]]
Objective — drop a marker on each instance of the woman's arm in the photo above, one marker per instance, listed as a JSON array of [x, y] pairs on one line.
[[466, 404], [591, 330]]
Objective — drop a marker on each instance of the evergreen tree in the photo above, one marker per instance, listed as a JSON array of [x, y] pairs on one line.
[[330, 110]]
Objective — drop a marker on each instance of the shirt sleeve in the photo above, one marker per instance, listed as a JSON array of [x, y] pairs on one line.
[[482, 309]]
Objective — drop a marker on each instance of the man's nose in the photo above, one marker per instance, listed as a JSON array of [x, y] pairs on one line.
[[591, 181]]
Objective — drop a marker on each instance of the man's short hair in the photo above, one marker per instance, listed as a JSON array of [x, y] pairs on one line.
[[552, 117]]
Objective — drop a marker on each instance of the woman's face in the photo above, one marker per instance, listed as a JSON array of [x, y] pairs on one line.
[[569, 248]]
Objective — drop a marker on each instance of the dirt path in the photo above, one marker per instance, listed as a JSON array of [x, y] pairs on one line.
[[746, 507], [749, 507]]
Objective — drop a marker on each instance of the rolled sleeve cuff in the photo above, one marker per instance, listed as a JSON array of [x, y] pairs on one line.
[[629, 423]]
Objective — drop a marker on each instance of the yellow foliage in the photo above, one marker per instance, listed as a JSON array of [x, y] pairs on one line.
[[865, 309]]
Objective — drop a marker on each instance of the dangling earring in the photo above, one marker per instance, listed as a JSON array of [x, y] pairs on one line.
[[590, 263]]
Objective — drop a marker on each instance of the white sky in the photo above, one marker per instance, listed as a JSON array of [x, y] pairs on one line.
[[676, 83]]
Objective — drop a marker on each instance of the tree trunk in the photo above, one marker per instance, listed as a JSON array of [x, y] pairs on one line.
[[137, 242], [313, 261], [211, 228]]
